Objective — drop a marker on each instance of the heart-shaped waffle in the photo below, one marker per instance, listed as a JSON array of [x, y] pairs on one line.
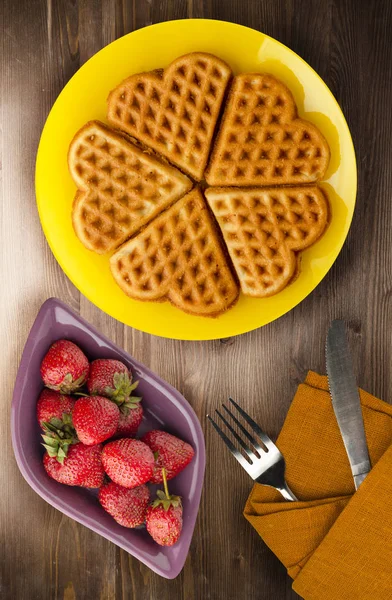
[[178, 257], [176, 253], [121, 187], [174, 111], [261, 141], [264, 229]]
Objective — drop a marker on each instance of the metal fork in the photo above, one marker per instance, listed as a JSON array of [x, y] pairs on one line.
[[269, 467]]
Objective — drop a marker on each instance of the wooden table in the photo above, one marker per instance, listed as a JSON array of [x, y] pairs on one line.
[[47, 555]]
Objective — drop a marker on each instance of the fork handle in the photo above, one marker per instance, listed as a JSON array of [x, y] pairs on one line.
[[287, 493]]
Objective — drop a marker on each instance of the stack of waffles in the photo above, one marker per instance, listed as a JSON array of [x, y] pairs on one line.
[[139, 194]]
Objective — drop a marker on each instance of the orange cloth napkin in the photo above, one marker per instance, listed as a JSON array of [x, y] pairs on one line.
[[335, 544]]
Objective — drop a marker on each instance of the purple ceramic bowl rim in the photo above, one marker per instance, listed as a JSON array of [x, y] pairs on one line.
[[24, 465]]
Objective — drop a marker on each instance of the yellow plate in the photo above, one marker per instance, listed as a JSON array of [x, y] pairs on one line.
[[84, 98]]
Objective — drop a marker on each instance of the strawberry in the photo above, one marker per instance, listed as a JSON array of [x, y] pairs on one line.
[[130, 419], [64, 368], [170, 453], [52, 405], [111, 378], [54, 416], [95, 419], [82, 466], [128, 462], [127, 507], [164, 517]]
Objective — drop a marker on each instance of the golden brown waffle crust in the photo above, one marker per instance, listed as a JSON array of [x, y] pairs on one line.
[[261, 140], [265, 229], [121, 187], [113, 132], [196, 253], [263, 205], [174, 110]]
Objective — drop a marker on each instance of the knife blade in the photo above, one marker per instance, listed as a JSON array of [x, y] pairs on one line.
[[346, 402]]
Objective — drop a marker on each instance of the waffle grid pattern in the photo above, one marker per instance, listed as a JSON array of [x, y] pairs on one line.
[[120, 187], [176, 252], [263, 230], [261, 141], [178, 257], [174, 111]]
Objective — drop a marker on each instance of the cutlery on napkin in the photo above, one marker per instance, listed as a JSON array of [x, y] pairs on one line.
[[337, 543]]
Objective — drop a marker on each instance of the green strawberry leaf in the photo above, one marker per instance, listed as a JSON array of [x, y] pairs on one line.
[[47, 426], [132, 402], [67, 419], [50, 441], [135, 399], [121, 394], [68, 385], [109, 391], [176, 501], [134, 385], [162, 502], [121, 380], [121, 390], [62, 453], [51, 451], [59, 436]]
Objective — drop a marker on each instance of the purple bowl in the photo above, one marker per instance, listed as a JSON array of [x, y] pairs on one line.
[[164, 408]]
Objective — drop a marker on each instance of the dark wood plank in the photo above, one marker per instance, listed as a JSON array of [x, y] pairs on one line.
[[45, 555]]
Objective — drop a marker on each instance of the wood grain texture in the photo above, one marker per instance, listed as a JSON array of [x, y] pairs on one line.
[[43, 554]]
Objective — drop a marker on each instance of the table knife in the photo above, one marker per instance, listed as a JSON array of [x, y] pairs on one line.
[[346, 402]]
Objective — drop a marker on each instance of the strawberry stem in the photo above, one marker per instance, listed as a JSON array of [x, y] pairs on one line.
[[165, 484], [163, 497]]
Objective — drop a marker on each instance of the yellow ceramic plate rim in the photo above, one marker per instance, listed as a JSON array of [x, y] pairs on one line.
[[84, 98]]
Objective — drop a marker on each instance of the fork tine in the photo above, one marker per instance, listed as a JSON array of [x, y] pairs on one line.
[[249, 452], [264, 437], [245, 432], [243, 462]]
